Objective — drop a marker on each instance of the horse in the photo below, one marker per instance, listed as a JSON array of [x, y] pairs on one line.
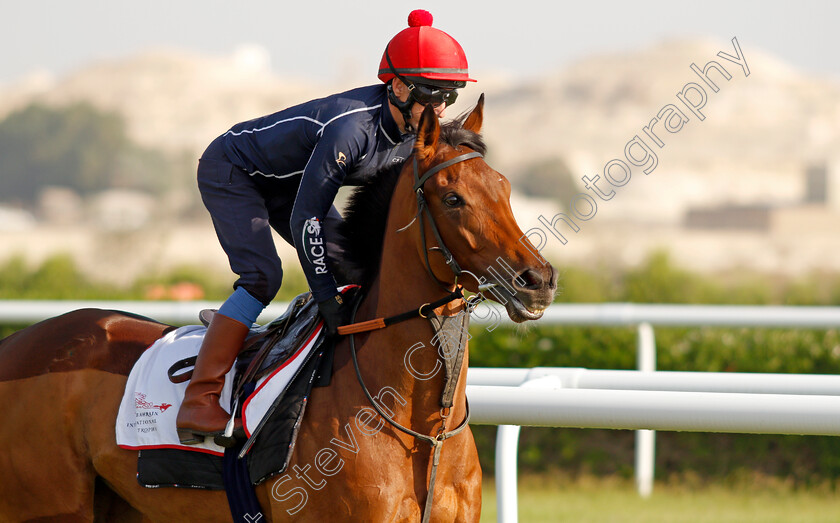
[[442, 222]]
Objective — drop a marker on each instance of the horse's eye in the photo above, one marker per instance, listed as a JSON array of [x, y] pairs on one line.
[[452, 200]]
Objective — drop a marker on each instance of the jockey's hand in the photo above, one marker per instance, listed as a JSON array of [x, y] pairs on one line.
[[335, 312]]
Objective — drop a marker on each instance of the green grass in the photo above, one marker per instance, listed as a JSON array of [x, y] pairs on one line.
[[545, 499]]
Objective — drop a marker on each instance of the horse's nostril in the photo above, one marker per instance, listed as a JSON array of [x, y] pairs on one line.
[[529, 280], [552, 282]]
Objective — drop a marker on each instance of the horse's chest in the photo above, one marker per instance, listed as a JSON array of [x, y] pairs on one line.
[[351, 473]]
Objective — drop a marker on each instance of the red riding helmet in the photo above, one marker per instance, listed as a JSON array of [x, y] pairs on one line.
[[425, 55]]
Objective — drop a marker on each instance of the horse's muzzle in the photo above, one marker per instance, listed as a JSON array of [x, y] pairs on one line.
[[529, 293]]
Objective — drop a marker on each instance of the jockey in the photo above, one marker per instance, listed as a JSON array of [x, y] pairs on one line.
[[283, 171]]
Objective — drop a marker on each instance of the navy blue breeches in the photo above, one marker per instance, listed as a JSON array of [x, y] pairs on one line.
[[244, 209]]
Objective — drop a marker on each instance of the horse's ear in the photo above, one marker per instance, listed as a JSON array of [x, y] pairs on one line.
[[474, 120], [428, 132]]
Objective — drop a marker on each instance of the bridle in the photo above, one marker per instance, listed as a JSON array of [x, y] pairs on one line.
[[423, 212]]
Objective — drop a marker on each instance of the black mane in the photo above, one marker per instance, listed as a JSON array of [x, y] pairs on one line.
[[359, 237]]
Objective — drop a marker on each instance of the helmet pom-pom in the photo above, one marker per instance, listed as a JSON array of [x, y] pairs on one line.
[[419, 17]]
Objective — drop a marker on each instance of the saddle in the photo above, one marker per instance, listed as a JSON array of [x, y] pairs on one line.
[[287, 350], [266, 348]]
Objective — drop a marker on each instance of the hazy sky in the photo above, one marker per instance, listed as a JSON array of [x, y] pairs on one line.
[[323, 38]]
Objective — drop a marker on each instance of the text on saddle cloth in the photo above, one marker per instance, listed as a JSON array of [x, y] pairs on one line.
[[150, 402], [272, 443]]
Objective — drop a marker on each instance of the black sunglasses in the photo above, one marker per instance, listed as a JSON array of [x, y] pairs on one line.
[[427, 94]]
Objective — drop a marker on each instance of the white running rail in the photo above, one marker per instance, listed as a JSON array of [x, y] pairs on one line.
[[642, 400]]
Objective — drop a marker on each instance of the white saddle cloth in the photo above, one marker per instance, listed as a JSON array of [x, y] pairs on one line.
[[150, 403]]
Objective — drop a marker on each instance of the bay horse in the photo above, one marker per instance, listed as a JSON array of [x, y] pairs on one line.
[[61, 380]]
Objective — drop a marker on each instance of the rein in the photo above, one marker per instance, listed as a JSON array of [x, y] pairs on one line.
[[423, 311], [422, 211], [380, 323], [435, 441]]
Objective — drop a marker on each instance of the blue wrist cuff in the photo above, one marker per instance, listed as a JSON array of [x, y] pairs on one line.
[[242, 307]]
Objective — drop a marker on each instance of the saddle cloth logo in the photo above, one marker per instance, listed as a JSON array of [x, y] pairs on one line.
[[146, 419], [140, 402]]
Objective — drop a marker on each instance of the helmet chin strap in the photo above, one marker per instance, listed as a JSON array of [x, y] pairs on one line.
[[404, 107]]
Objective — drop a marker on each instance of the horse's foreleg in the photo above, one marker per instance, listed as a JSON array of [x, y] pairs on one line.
[[468, 485]]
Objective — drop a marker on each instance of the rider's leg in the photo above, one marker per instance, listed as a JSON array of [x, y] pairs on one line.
[[241, 222], [201, 414]]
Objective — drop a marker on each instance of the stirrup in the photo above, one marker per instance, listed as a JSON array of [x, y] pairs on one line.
[[227, 439], [194, 437], [227, 442]]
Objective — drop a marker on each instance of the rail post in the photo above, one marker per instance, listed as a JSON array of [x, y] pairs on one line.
[[645, 439], [507, 447], [507, 494]]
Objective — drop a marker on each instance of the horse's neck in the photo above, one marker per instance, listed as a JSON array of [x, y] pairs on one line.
[[402, 285]]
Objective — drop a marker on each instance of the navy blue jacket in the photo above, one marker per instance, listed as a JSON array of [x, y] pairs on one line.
[[320, 145]]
